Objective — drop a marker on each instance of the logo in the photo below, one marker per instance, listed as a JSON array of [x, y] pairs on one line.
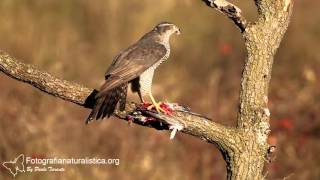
[[32, 164], [15, 166]]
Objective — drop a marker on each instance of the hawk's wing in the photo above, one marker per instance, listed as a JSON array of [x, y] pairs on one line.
[[130, 63]]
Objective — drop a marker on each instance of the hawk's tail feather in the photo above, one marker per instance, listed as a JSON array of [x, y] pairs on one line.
[[106, 105], [95, 110], [110, 104]]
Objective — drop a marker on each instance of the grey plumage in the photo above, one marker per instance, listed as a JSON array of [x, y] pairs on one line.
[[135, 65]]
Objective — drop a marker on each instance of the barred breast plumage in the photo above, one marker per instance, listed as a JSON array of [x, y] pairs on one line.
[[146, 77]]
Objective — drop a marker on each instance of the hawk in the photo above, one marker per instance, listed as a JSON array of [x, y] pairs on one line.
[[134, 65]]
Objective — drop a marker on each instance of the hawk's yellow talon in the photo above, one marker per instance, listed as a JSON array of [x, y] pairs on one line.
[[155, 105]]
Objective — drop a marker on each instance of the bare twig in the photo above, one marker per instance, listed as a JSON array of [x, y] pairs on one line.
[[230, 10]]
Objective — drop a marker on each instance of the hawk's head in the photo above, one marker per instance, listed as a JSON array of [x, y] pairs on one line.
[[167, 29]]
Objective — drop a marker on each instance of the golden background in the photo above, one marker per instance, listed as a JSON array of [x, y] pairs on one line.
[[76, 40]]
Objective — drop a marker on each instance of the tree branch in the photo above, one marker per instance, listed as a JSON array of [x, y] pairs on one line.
[[262, 40], [230, 10], [192, 123]]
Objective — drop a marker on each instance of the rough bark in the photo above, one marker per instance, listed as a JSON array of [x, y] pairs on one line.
[[262, 39], [244, 147]]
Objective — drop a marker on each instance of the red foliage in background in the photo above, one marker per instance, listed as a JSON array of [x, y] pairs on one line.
[[225, 49], [285, 124], [38, 155]]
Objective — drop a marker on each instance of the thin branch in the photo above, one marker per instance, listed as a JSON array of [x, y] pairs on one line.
[[230, 10], [44, 81], [191, 123]]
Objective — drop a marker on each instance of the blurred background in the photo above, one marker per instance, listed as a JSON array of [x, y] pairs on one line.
[[77, 39]]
